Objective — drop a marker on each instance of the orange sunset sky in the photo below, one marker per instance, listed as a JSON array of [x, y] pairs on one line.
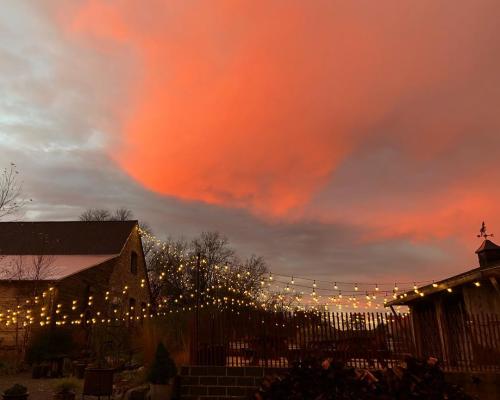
[[339, 139]]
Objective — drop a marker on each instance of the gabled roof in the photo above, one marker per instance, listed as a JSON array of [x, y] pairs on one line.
[[487, 245], [489, 261], [64, 238], [467, 277]]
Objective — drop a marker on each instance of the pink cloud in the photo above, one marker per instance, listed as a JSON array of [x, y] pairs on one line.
[[256, 106]]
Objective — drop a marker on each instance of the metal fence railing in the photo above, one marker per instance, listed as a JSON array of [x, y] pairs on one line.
[[369, 339]]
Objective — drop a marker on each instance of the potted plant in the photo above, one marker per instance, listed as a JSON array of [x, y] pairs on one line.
[[16, 392], [66, 390], [161, 375]]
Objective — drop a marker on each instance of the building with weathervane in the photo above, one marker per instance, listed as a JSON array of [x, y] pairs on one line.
[[459, 314]]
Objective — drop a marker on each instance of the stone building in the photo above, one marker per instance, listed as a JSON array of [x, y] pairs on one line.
[[69, 273]]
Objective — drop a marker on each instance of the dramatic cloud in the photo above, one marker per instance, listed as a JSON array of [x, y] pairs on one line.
[[253, 106], [349, 138]]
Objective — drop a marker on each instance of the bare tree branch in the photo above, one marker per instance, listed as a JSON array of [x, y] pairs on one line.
[[14, 269], [172, 270], [20, 268], [11, 200], [95, 214], [122, 214], [103, 214], [42, 267]]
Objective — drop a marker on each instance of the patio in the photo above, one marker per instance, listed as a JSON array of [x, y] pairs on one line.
[[43, 389], [39, 389]]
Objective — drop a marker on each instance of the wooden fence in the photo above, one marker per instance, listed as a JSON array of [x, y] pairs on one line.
[[258, 338]]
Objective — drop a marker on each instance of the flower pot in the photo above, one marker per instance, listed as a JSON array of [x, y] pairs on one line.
[[16, 396], [160, 392]]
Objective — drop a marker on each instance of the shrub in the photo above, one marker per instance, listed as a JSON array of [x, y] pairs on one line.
[[66, 386], [16, 390], [163, 368], [7, 368]]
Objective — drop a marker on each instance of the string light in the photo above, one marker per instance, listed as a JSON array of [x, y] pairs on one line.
[[227, 281]]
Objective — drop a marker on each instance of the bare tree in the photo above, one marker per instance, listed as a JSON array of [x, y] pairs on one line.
[[20, 267], [177, 268], [214, 248], [103, 214], [95, 214], [11, 200], [35, 271], [42, 267], [165, 268], [147, 246], [13, 268], [122, 214]]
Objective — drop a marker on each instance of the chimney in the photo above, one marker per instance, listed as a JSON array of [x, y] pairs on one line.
[[488, 254]]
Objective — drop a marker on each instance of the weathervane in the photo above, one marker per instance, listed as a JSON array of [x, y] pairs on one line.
[[483, 233]]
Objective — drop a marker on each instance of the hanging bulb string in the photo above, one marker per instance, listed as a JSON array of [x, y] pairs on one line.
[[352, 283], [292, 278]]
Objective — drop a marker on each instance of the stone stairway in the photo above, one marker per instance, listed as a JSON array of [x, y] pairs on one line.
[[218, 383]]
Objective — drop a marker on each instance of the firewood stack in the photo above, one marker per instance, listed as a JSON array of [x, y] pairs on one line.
[[325, 380]]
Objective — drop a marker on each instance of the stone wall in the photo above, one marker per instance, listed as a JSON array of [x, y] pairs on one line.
[[207, 382], [111, 276], [13, 294]]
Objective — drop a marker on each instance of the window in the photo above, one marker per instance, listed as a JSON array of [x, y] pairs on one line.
[[131, 304], [133, 263]]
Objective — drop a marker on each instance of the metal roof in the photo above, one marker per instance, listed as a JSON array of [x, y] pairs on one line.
[[47, 267], [65, 237]]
